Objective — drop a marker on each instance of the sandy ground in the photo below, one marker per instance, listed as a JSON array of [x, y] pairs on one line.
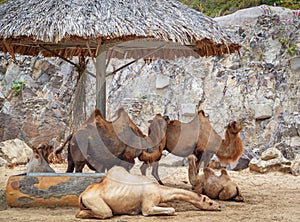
[[268, 197]]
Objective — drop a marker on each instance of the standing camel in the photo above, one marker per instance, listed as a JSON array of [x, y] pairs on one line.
[[199, 138]]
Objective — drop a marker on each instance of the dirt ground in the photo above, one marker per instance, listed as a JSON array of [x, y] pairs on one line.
[[268, 197]]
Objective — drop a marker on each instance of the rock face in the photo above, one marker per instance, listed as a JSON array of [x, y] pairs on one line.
[[271, 160], [295, 167], [14, 152], [260, 85]]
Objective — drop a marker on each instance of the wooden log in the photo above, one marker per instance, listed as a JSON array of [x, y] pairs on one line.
[[48, 189]]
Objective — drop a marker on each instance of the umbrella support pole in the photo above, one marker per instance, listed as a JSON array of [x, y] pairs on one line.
[[101, 83]]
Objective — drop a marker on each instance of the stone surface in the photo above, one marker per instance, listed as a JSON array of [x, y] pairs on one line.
[[271, 160], [295, 64], [263, 111], [271, 153], [162, 81], [15, 151], [188, 109], [3, 162], [295, 166], [295, 141], [226, 88], [250, 15]]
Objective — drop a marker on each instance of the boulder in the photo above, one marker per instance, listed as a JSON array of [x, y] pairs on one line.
[[263, 111], [271, 153], [271, 160], [3, 162], [295, 166], [15, 151]]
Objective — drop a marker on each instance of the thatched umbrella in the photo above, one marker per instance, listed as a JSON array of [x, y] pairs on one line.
[[87, 27]]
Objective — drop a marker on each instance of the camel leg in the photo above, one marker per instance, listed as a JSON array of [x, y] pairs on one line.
[[239, 197], [156, 210], [71, 164], [79, 166], [155, 172], [192, 170], [143, 168], [207, 157], [200, 201], [96, 208], [198, 161], [228, 192]]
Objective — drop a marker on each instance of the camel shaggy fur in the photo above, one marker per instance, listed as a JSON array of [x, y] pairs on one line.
[[123, 193], [199, 138], [216, 187]]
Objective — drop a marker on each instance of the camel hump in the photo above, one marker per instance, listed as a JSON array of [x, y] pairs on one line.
[[208, 172], [201, 111], [97, 112]]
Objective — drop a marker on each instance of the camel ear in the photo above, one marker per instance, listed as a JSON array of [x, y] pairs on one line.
[[224, 172]]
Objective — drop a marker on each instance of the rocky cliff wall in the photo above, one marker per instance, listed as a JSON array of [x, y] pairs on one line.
[[261, 84]]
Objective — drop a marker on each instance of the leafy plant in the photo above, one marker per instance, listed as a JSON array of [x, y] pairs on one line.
[[290, 47], [17, 86], [223, 7]]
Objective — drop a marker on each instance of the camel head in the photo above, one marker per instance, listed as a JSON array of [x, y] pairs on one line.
[[235, 127], [207, 204]]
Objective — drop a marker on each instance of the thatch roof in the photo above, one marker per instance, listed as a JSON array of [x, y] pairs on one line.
[[67, 26]]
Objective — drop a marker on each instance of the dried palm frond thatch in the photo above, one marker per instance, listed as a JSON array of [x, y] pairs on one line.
[[70, 28]]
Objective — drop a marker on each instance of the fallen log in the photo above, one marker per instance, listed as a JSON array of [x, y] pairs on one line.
[[48, 189]]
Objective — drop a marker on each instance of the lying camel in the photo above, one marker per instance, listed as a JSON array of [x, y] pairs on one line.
[[216, 187], [199, 138], [123, 193]]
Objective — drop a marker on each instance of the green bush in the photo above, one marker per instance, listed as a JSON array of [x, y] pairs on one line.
[[222, 7]]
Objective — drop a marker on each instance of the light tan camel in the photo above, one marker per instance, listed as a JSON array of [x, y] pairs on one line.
[[216, 187], [123, 193]]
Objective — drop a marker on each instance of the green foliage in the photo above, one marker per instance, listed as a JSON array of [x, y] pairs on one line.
[[17, 86], [3, 1], [222, 7], [290, 47]]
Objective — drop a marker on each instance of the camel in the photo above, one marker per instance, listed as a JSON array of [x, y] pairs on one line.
[[198, 137], [216, 187], [102, 144], [120, 192], [39, 159]]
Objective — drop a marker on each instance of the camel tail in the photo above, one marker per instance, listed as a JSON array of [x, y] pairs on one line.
[[59, 149]]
